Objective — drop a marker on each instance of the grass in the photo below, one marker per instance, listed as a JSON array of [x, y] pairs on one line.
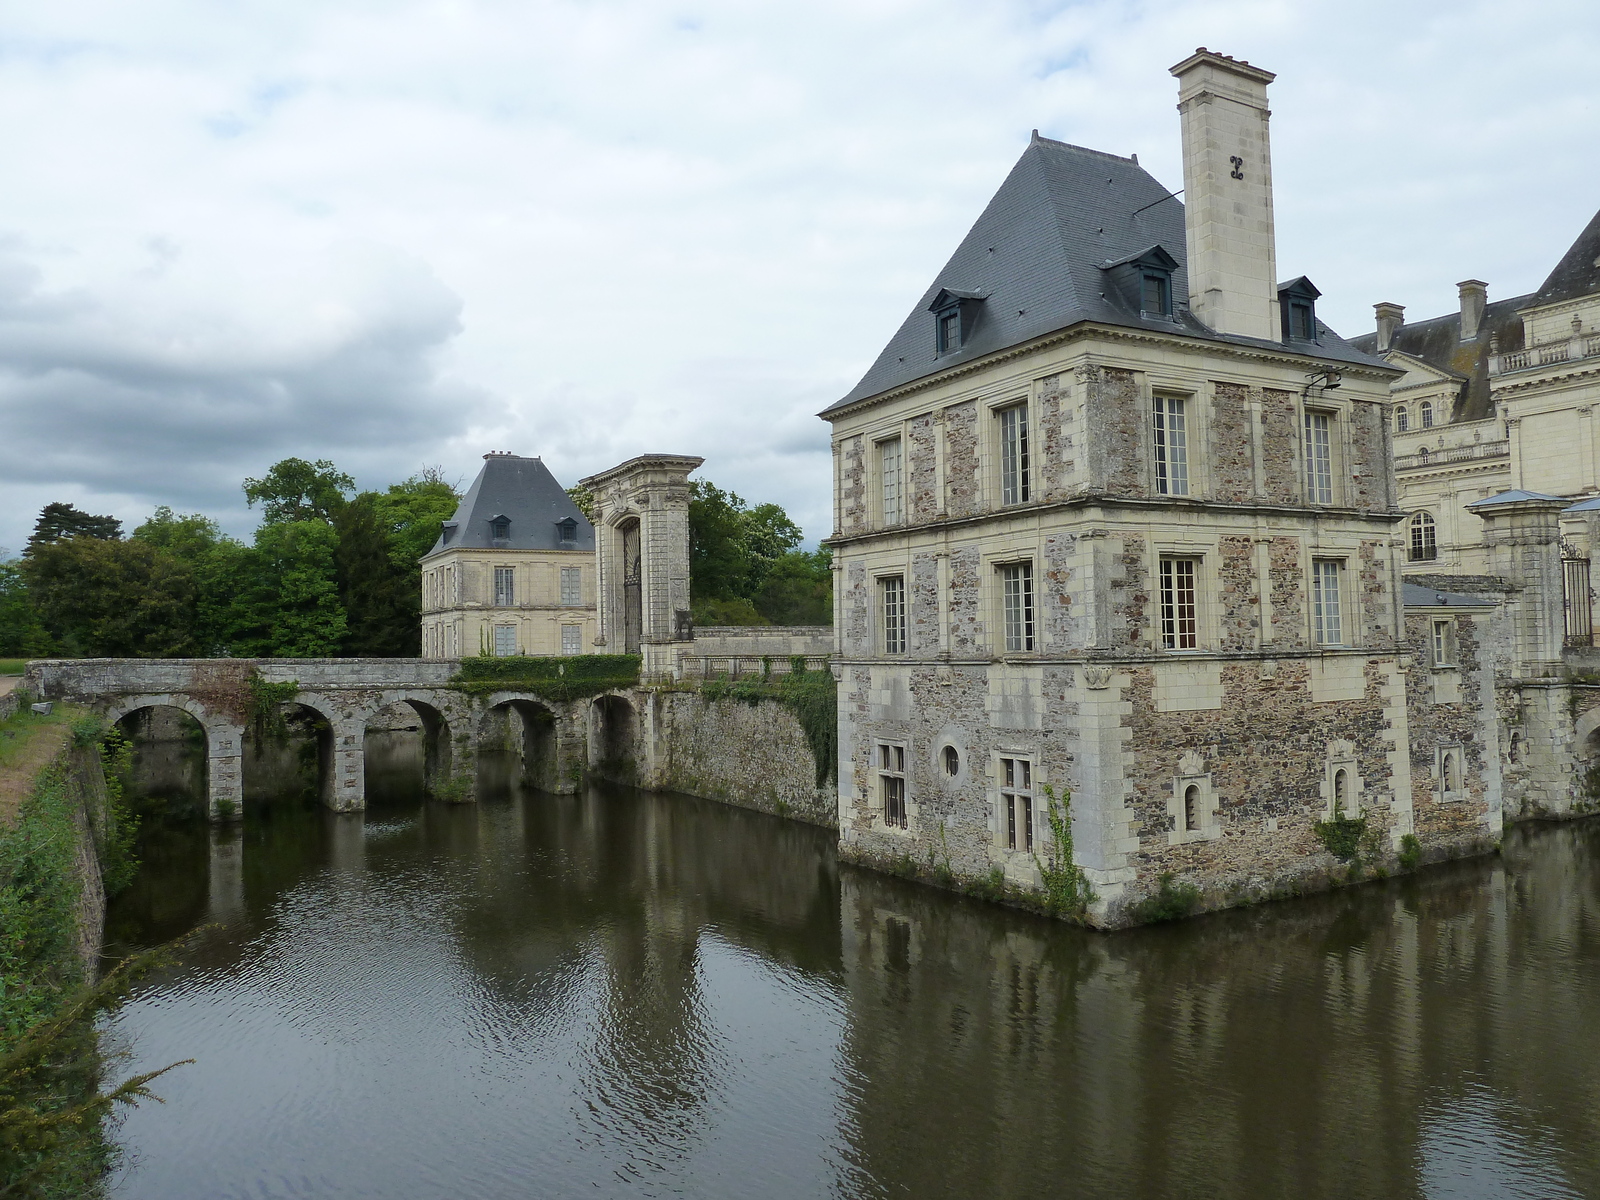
[[13, 666], [27, 744]]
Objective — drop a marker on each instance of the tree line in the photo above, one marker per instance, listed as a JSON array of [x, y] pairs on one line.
[[330, 572]]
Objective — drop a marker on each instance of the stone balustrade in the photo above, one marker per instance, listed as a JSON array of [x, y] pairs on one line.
[[1577, 347], [1426, 457]]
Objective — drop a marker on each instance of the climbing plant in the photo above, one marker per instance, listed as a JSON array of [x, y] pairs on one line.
[[1066, 887], [266, 705]]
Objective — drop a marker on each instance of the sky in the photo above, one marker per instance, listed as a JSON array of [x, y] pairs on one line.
[[403, 234]]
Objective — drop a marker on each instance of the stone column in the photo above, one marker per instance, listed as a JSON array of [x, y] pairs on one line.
[[1522, 533], [225, 771], [348, 792]]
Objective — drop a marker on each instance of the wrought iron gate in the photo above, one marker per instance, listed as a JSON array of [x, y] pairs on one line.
[[1577, 597]]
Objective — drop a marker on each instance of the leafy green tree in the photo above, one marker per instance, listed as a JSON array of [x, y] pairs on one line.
[[225, 572], [382, 538], [22, 634], [112, 599], [733, 551], [296, 594], [799, 589], [296, 490], [57, 522]]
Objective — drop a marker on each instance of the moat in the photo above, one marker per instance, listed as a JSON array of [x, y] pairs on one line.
[[619, 993]]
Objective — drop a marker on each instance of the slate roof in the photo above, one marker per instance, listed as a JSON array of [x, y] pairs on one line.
[[1037, 256], [1437, 341], [1414, 595], [1514, 496], [1578, 272], [523, 490]]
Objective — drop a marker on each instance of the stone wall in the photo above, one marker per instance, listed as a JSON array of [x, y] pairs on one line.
[[776, 641]]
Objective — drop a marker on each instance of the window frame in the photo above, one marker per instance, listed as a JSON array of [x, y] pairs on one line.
[[500, 529], [1402, 419], [889, 762], [570, 597], [576, 639], [1422, 544], [1425, 415], [1017, 815], [1014, 462], [504, 628], [881, 448], [893, 627], [1019, 620], [1169, 423], [1163, 281], [505, 587], [943, 319], [1442, 649], [1169, 611], [1319, 484], [1323, 568]]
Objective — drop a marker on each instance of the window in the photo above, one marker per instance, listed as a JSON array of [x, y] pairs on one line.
[[1402, 419], [1301, 324], [1319, 458], [572, 585], [1191, 808], [1016, 586], [505, 590], [949, 330], [1424, 538], [1325, 626], [1155, 295], [952, 761], [892, 784], [1427, 414], [889, 477], [1014, 454], [1172, 447], [572, 639], [500, 528], [505, 640], [1450, 773], [1180, 627], [1341, 793], [892, 603], [1016, 803], [1443, 643], [566, 530]]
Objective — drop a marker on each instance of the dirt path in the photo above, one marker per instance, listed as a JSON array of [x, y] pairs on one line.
[[27, 743]]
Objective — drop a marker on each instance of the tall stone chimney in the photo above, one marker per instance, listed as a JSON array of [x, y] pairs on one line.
[[1227, 194], [1390, 318], [1474, 298]]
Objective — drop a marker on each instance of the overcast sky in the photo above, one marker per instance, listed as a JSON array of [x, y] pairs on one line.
[[397, 234]]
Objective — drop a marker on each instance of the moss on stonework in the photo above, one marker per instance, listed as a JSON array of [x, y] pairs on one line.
[[813, 696], [571, 677]]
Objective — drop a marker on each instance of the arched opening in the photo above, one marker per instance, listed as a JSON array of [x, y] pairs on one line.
[[1191, 808], [1514, 750], [1341, 793], [1402, 418], [168, 771], [628, 534], [1427, 414], [1450, 773], [517, 745], [1424, 537], [952, 761], [288, 755], [613, 733], [407, 748]]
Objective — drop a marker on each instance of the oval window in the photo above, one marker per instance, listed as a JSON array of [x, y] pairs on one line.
[[952, 761]]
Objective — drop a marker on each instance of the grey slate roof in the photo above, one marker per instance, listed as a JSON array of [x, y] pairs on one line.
[[1414, 595], [1514, 496], [1036, 256], [523, 490], [1437, 341], [1578, 272]]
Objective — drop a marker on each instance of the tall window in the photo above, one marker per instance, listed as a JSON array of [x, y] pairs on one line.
[[505, 640], [1300, 323], [572, 639], [1153, 298], [1180, 627], [1014, 454], [1444, 639], [892, 784], [892, 604], [1172, 447], [889, 475], [1319, 458], [1424, 538], [1016, 801], [1191, 808], [572, 585], [1402, 419], [949, 330], [1325, 623], [505, 590], [1016, 586], [1427, 414], [1341, 793]]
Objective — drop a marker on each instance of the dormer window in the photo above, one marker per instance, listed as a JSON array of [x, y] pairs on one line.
[[499, 528], [1155, 299], [1143, 281], [954, 315], [1297, 301], [567, 531], [447, 533]]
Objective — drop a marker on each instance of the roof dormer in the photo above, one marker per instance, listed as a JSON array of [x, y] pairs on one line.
[[1144, 281], [1297, 305], [955, 312]]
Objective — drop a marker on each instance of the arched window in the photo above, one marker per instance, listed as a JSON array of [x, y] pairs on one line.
[[952, 761], [1516, 746], [1424, 538], [1402, 418], [1191, 808], [1427, 414], [1450, 773], [1341, 793]]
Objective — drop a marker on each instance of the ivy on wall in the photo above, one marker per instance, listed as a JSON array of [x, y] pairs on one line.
[[570, 677]]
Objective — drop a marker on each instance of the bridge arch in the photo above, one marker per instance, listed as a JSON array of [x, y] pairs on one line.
[[434, 747], [171, 749], [613, 729], [528, 727]]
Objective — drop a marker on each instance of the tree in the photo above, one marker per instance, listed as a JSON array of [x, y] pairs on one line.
[[22, 634], [224, 570], [297, 594], [733, 549], [101, 598], [798, 589], [295, 490], [57, 522], [373, 588]]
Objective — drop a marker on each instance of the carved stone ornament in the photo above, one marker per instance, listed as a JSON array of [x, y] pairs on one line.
[[1097, 677], [1192, 763]]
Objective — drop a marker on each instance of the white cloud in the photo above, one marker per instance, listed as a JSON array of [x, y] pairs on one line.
[[400, 233]]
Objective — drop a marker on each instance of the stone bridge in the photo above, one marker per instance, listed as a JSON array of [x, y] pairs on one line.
[[558, 740]]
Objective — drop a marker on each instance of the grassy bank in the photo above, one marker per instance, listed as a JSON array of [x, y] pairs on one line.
[[51, 1141], [13, 666]]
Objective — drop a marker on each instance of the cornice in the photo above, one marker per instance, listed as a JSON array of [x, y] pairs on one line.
[[1498, 386], [1111, 332]]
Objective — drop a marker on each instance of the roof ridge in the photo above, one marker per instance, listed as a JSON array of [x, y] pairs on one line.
[[1040, 140]]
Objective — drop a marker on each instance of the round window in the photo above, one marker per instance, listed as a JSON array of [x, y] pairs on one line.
[[952, 761]]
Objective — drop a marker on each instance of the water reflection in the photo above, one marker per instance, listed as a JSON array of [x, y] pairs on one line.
[[625, 994]]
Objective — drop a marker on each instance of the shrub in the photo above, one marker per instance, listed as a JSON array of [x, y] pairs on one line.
[[1342, 836], [1410, 852], [1170, 902], [565, 678]]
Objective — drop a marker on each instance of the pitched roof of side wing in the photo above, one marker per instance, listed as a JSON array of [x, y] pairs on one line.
[[523, 491], [1038, 256]]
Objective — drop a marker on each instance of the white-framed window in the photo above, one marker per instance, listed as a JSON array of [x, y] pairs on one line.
[[1319, 457], [890, 481], [505, 641], [572, 585], [1172, 446], [572, 639], [1016, 803], [1016, 595], [1442, 644], [1402, 418], [1180, 624], [892, 784], [1014, 458], [1424, 538], [1427, 414], [892, 613], [505, 587], [1327, 628]]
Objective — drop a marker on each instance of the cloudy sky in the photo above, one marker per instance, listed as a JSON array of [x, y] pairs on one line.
[[395, 234]]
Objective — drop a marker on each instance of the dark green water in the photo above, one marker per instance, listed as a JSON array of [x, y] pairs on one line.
[[625, 994]]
